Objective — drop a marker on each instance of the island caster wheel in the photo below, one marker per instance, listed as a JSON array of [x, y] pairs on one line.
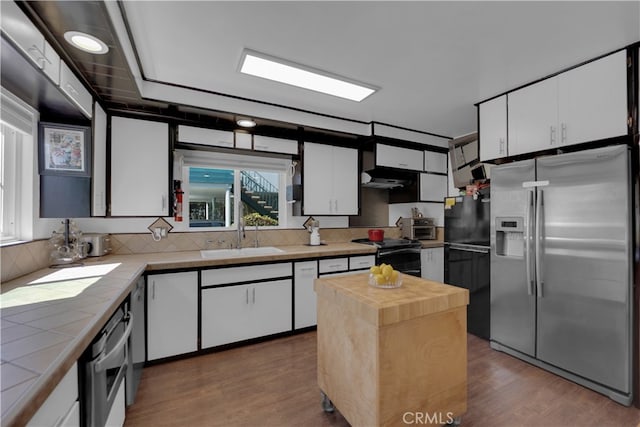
[[455, 422], [327, 404]]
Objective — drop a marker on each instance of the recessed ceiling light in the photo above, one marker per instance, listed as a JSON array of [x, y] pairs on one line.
[[280, 70], [86, 42], [246, 123]]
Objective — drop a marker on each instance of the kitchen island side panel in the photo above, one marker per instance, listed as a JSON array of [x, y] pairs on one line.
[[347, 361]]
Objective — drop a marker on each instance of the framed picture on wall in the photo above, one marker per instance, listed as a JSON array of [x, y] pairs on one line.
[[64, 149]]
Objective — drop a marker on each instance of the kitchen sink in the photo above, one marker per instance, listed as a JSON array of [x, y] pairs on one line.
[[230, 253]]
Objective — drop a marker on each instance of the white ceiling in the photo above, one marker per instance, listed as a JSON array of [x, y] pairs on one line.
[[432, 60]]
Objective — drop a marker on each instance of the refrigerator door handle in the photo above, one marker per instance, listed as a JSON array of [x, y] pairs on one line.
[[538, 236], [527, 242]]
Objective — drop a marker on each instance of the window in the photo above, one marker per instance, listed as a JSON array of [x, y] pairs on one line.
[[212, 196], [16, 168], [219, 187]]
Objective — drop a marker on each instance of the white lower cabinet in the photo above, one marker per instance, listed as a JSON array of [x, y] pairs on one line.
[[432, 264], [241, 312], [363, 262], [240, 303], [172, 314], [305, 313], [61, 406], [73, 416], [344, 266]]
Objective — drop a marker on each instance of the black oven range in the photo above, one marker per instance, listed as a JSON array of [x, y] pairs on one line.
[[402, 254]]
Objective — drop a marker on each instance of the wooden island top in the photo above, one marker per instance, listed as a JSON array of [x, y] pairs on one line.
[[382, 306], [390, 357]]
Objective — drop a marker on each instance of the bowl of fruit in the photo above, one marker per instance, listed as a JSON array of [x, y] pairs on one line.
[[384, 276]]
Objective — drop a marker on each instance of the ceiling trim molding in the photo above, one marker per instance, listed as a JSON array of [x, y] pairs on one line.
[[157, 90]]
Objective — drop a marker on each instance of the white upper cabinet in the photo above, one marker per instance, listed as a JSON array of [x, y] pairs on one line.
[[398, 157], [99, 181], [17, 26], [379, 129], [275, 145], [26, 36], [330, 180], [244, 140], [533, 116], [433, 188], [74, 89], [493, 129], [593, 100], [139, 167], [204, 136], [584, 104], [435, 162]]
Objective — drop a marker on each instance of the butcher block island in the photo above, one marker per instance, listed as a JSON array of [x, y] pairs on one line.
[[392, 356]]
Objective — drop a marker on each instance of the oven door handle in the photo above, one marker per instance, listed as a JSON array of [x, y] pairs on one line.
[[106, 360], [382, 252]]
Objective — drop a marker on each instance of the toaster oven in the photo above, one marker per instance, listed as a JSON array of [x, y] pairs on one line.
[[418, 228]]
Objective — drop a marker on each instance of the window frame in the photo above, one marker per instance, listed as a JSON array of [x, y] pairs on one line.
[[23, 120]]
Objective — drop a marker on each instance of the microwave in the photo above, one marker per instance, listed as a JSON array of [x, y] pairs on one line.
[[418, 228]]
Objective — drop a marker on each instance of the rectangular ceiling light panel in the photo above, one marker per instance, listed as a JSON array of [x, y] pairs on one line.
[[260, 65]]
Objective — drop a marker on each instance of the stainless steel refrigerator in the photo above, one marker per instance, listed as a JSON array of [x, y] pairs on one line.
[[561, 266]]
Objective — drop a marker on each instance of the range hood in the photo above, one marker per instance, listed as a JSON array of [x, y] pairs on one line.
[[380, 177], [386, 183]]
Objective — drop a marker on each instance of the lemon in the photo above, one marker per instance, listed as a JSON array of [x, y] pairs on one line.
[[387, 270], [375, 270], [394, 276], [380, 279]]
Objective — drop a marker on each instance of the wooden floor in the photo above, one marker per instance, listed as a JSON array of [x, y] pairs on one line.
[[274, 384]]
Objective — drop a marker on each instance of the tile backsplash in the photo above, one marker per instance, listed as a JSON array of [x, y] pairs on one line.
[[24, 258], [123, 244]]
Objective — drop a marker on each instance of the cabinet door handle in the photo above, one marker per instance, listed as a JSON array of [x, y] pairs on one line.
[[501, 151], [246, 292], [552, 134], [40, 53], [307, 269], [254, 295], [404, 165], [563, 133], [153, 289], [71, 89], [164, 201], [336, 205]]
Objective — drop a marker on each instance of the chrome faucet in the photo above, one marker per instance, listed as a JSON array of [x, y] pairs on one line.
[[241, 234]]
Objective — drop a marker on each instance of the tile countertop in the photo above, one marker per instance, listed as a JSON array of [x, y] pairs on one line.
[[50, 316]]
